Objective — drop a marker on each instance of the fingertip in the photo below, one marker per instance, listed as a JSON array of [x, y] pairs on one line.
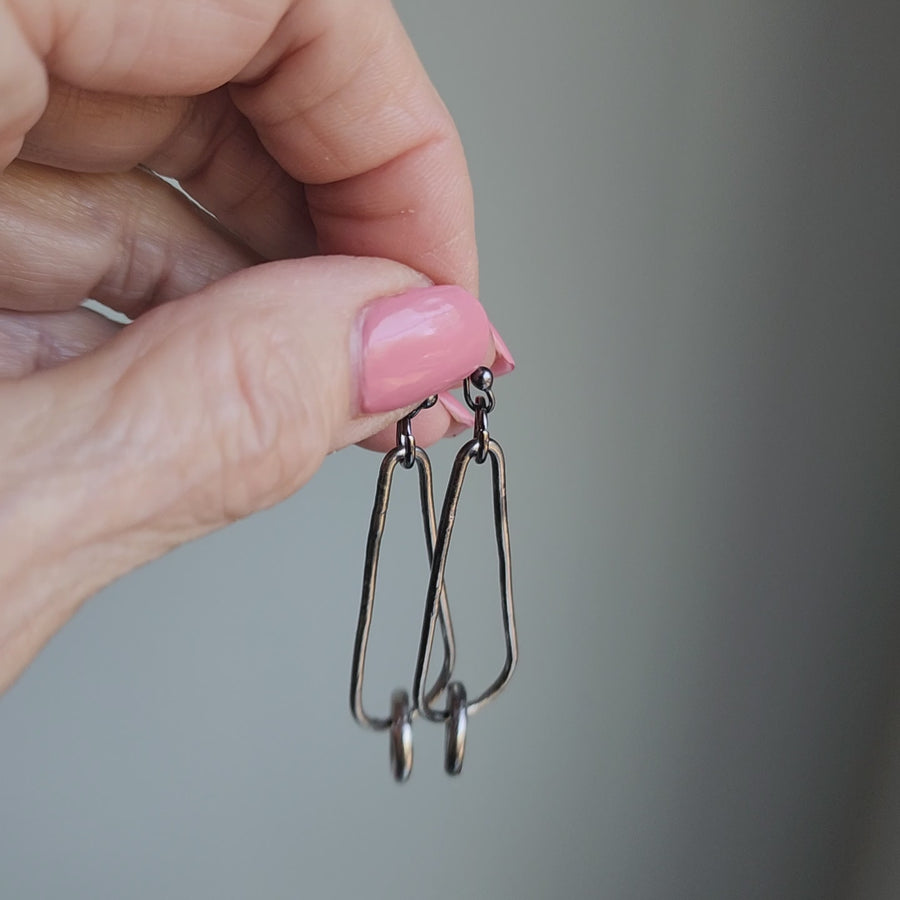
[[461, 417], [416, 343], [503, 362]]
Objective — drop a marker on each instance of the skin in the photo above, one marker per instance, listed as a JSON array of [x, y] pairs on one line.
[[311, 132]]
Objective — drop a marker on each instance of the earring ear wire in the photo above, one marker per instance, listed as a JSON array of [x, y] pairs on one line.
[[402, 712], [479, 448], [478, 392]]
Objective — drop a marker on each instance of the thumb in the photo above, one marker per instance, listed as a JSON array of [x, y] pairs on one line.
[[202, 411]]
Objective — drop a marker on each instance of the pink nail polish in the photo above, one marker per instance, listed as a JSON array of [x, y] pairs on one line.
[[503, 362], [417, 344]]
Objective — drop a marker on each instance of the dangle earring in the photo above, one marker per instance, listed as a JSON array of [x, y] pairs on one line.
[[455, 715], [402, 712]]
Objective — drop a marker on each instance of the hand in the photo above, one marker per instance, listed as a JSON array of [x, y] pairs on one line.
[[305, 127]]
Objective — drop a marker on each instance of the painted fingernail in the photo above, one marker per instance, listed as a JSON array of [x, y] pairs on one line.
[[503, 362], [461, 417], [417, 344]]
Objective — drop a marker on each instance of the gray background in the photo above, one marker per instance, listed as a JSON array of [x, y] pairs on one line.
[[688, 214]]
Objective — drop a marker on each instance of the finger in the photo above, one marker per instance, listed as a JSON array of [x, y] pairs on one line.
[[203, 142], [127, 240], [333, 89], [23, 84], [33, 341], [339, 97], [202, 411]]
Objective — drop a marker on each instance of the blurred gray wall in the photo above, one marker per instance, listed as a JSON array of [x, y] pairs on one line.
[[689, 219], [876, 870]]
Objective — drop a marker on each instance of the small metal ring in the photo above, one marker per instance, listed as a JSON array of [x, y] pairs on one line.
[[406, 442], [401, 736], [482, 433], [455, 728]]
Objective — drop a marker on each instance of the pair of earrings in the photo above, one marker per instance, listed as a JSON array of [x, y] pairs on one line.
[[457, 707]]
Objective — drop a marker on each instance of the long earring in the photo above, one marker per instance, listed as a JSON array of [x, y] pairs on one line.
[[480, 448], [399, 722]]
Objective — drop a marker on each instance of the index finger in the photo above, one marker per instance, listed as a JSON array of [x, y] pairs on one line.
[[334, 90]]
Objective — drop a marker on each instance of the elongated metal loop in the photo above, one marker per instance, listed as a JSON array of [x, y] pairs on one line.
[[373, 546], [471, 449]]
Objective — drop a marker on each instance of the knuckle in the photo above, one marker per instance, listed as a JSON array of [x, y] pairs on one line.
[[23, 85]]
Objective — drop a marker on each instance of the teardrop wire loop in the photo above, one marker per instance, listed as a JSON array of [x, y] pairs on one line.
[[469, 451], [480, 447], [405, 450]]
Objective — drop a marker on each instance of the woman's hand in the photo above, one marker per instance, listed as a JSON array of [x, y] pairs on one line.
[[305, 128]]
